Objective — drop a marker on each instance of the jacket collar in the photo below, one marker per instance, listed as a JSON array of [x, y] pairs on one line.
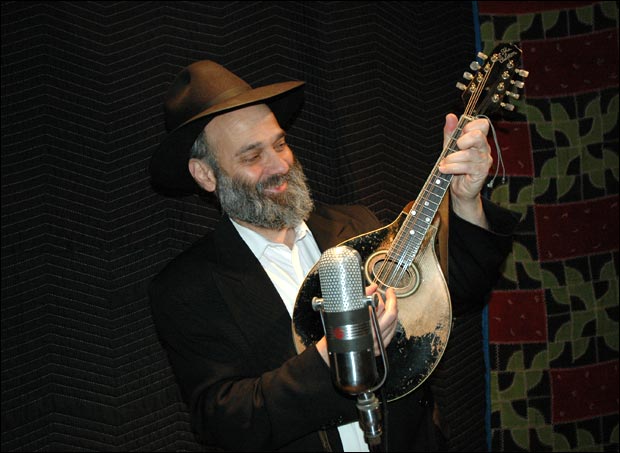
[[329, 232]]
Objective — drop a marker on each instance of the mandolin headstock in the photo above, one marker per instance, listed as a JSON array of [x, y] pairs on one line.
[[495, 81]]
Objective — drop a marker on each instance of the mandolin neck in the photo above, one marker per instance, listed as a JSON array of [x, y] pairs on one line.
[[422, 212]]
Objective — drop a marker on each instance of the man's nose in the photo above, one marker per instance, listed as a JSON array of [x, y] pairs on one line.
[[277, 163]]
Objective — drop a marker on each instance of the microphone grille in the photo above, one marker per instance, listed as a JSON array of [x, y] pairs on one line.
[[340, 274]]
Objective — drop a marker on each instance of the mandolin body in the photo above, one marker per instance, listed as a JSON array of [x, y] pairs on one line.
[[424, 309]]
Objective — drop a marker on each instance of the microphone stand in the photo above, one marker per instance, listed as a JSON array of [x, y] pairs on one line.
[[370, 419], [368, 406]]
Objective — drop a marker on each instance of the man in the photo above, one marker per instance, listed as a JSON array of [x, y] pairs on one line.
[[223, 307]]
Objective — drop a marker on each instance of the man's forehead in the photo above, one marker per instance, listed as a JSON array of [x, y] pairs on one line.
[[244, 128], [252, 113]]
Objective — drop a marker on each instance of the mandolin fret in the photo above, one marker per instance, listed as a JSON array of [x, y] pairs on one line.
[[409, 239]]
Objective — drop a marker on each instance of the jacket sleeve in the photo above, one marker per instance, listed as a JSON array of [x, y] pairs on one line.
[[476, 256]]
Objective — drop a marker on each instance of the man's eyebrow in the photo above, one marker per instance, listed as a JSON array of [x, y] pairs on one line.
[[256, 145], [248, 148]]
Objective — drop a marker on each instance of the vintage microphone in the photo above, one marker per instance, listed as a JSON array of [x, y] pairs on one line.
[[346, 317]]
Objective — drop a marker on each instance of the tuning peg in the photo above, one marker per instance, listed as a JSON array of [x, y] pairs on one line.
[[508, 107], [522, 72], [513, 94], [518, 83], [468, 76], [461, 86], [475, 65], [482, 56]]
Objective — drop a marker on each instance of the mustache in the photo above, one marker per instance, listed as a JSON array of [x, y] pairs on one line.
[[273, 181], [245, 200]]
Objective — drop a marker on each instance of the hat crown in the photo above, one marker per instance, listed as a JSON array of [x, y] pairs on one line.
[[198, 87]]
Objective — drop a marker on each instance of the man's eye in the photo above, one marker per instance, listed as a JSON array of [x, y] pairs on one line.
[[251, 158]]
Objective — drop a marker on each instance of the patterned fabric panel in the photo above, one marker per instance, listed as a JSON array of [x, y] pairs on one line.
[[553, 320]]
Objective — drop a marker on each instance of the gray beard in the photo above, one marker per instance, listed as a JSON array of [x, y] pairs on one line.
[[247, 202]]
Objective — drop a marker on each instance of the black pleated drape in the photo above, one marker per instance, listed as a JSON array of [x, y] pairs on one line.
[[83, 232]]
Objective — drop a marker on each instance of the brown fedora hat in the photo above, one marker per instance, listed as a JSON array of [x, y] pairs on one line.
[[200, 92]]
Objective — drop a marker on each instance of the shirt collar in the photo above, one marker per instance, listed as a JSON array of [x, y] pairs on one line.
[[258, 243]]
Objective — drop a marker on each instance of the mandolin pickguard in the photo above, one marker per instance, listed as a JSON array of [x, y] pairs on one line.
[[424, 314]]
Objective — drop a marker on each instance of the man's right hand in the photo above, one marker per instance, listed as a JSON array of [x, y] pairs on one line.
[[387, 316]]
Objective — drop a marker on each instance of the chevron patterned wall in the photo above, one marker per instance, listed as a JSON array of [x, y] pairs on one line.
[[83, 232]]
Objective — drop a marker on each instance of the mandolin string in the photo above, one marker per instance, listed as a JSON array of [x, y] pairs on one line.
[[413, 218], [416, 216], [397, 271], [390, 273], [425, 200], [405, 259], [418, 222]]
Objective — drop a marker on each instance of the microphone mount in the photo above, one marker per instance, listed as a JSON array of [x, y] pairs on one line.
[[368, 407]]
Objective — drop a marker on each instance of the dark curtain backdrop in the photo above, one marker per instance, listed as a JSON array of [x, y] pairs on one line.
[[83, 232]]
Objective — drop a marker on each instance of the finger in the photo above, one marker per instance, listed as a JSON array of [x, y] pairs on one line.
[[390, 301], [479, 124], [386, 336], [474, 139], [370, 289], [389, 317], [474, 158], [449, 127], [469, 161], [380, 308]]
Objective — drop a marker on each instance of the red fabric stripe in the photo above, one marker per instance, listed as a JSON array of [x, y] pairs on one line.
[[584, 392], [579, 64], [517, 317], [576, 229], [514, 142]]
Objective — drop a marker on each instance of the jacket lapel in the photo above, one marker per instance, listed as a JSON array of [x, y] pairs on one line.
[[253, 300], [251, 296]]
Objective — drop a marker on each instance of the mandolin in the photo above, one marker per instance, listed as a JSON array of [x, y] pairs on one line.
[[402, 255]]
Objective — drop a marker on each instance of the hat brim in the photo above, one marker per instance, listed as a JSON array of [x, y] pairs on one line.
[[168, 167]]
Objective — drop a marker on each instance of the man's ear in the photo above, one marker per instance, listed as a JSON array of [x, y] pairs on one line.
[[203, 174]]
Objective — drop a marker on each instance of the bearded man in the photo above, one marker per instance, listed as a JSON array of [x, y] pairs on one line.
[[223, 307]]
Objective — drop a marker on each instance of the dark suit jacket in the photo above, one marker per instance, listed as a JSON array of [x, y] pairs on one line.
[[229, 338]]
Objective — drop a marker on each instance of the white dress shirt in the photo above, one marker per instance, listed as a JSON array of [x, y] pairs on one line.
[[287, 269]]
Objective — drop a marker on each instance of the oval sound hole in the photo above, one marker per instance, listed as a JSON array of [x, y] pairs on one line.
[[405, 281]]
